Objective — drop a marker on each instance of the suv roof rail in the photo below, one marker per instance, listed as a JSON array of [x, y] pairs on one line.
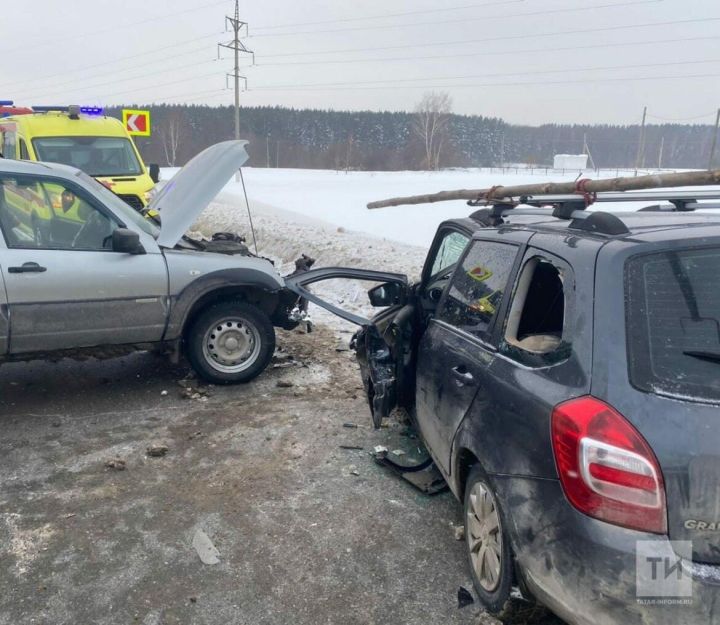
[[574, 208], [598, 222]]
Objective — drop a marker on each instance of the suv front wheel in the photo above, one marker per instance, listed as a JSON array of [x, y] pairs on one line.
[[489, 554], [230, 342]]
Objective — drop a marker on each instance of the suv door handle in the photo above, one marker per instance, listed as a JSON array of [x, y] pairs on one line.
[[27, 268], [462, 376]]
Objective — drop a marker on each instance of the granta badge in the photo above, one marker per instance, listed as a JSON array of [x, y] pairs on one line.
[[703, 526]]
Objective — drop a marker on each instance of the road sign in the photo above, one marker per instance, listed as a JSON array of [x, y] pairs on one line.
[[137, 123]]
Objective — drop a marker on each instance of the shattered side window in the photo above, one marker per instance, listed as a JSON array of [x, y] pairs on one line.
[[478, 286], [449, 252]]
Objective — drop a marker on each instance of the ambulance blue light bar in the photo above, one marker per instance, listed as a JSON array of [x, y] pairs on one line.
[[85, 110], [6, 103]]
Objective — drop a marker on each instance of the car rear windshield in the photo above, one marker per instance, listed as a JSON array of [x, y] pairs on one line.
[[673, 312], [97, 156]]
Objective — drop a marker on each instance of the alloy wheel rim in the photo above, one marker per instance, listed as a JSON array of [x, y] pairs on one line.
[[484, 537], [231, 345]]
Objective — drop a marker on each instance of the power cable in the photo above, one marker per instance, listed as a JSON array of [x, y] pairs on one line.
[[506, 37], [501, 84], [116, 81], [458, 21], [104, 64], [493, 52], [48, 42], [386, 15], [682, 119], [500, 74]]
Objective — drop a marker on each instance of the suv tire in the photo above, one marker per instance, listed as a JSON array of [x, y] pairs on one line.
[[230, 342], [488, 549]]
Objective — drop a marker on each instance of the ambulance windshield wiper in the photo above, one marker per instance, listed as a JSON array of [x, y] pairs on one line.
[[703, 355]]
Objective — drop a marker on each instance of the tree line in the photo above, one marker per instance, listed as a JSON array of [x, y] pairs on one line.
[[367, 140]]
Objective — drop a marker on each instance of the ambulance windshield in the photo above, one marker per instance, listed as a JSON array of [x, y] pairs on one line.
[[97, 156]]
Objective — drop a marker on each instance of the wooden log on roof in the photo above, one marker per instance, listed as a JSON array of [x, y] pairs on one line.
[[628, 183]]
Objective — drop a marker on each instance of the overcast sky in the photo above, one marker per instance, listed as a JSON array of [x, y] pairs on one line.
[[527, 61]]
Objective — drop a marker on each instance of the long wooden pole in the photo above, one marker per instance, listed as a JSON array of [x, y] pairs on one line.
[[634, 183]]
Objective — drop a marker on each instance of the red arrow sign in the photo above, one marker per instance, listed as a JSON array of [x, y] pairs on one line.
[[137, 122]]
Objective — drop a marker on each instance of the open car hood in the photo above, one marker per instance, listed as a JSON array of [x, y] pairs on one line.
[[188, 193]]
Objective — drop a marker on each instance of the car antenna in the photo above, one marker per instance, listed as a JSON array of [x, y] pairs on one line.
[[247, 203]]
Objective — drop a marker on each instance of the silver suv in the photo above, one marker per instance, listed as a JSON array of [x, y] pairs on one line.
[[82, 273]]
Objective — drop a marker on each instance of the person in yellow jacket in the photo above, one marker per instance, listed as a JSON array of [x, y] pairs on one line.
[[72, 208]]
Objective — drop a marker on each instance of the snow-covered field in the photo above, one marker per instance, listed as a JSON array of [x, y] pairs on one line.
[[340, 198], [324, 214]]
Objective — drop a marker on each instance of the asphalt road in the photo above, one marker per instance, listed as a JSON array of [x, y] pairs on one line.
[[306, 532]]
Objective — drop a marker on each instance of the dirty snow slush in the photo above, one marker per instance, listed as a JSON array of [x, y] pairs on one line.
[[93, 529]]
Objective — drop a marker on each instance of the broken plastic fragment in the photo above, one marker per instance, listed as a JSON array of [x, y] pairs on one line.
[[205, 548]]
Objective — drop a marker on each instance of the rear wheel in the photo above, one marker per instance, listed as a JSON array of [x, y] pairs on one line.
[[230, 342], [489, 555]]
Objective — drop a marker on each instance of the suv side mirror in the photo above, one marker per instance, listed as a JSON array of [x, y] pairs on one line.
[[388, 294], [126, 241], [154, 172]]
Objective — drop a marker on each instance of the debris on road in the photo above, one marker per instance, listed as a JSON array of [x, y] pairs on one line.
[[163, 393], [195, 435], [459, 531], [285, 384], [351, 426], [205, 548], [157, 451], [352, 447], [379, 449], [464, 598], [116, 464]]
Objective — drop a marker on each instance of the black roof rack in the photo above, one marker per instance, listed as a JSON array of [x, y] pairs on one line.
[[574, 208]]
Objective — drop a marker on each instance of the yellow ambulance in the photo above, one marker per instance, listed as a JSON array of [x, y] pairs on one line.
[[85, 138]]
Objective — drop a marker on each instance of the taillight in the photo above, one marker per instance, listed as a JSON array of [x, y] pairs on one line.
[[607, 469]]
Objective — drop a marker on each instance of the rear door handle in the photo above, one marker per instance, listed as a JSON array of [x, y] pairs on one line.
[[462, 375], [27, 268]]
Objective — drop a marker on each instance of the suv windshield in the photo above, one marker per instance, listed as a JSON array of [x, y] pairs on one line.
[[673, 313], [97, 156]]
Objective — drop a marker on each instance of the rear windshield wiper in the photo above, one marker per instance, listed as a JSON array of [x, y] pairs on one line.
[[703, 355]]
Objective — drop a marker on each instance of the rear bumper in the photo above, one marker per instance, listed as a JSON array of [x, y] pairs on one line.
[[585, 570]]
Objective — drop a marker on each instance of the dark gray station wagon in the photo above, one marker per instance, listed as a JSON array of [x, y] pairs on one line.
[[563, 369]]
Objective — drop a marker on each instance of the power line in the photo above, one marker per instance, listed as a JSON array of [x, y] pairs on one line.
[[498, 84], [48, 42], [164, 84], [506, 37], [493, 52], [386, 15], [682, 119], [104, 64], [460, 21], [85, 87], [498, 74]]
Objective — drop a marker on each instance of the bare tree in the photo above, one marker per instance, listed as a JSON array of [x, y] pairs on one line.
[[430, 124], [171, 131]]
